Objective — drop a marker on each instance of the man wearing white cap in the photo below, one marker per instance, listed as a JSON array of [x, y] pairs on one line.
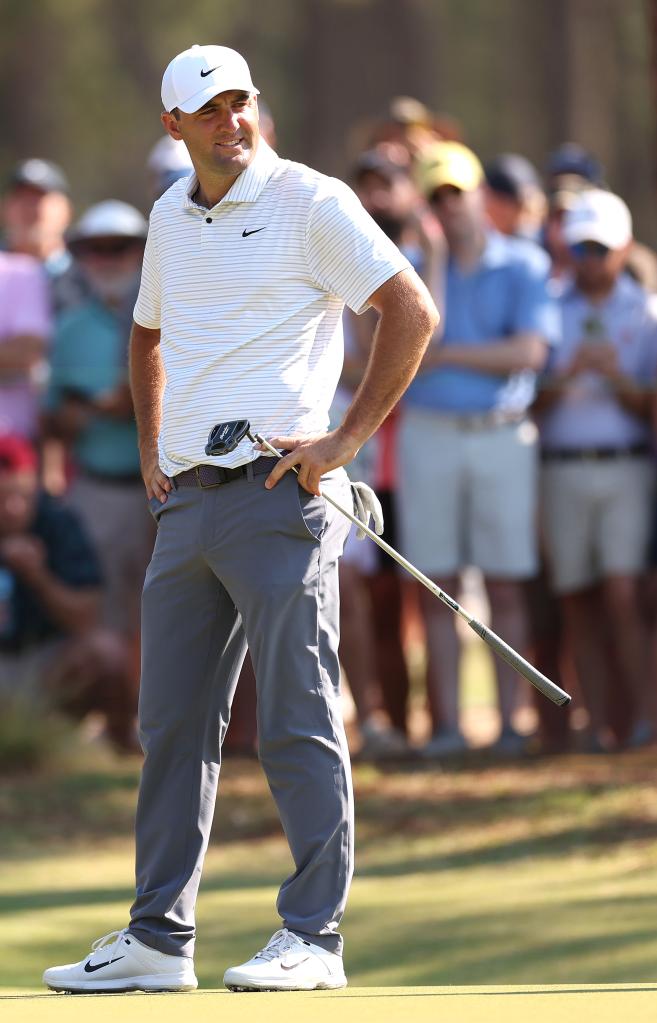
[[89, 407], [598, 476], [247, 267]]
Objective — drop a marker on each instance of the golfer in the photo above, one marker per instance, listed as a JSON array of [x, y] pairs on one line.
[[248, 264]]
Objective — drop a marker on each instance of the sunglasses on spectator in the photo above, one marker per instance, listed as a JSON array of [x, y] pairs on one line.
[[106, 246], [445, 192], [583, 250]]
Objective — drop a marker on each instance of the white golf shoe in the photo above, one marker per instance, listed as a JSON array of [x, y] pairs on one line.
[[118, 962], [288, 963]]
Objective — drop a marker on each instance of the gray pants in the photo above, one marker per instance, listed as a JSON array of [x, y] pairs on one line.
[[234, 564]]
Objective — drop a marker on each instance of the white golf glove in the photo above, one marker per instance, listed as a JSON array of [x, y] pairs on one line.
[[366, 505]]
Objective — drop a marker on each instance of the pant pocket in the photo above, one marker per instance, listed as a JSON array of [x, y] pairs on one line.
[[312, 510], [156, 507]]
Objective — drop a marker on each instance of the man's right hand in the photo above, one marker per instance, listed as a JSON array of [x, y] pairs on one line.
[[157, 484]]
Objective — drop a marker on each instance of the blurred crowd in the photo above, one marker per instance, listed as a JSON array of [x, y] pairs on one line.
[[523, 449]]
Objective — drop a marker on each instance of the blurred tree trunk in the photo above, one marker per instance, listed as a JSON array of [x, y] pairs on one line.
[[592, 74], [29, 53], [357, 56], [652, 34]]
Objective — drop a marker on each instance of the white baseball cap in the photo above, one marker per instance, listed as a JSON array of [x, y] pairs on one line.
[[168, 155], [109, 219], [598, 216], [196, 75]]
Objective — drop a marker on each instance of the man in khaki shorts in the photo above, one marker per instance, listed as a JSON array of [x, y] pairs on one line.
[[598, 473], [467, 458]]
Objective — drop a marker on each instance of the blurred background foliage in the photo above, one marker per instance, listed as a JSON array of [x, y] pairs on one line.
[[80, 79]]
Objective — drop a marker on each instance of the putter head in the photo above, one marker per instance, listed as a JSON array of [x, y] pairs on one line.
[[224, 437]]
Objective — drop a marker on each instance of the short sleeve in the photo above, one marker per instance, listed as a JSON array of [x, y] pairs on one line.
[[29, 311], [647, 369], [348, 254], [147, 308], [535, 309]]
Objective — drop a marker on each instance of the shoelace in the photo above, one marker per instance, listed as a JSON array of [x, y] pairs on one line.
[[279, 943], [115, 937]]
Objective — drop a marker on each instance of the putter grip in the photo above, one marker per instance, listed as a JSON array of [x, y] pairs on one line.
[[512, 657]]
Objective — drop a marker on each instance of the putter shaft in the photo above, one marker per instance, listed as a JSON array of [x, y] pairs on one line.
[[548, 688]]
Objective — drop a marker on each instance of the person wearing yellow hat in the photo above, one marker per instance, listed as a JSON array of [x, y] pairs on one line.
[[466, 449], [449, 165]]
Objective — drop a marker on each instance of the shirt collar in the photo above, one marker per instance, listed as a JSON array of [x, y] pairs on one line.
[[249, 184]]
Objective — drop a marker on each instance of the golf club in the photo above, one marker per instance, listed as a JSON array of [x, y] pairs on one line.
[[225, 437]]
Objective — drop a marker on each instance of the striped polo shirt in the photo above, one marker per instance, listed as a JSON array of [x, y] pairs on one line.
[[248, 297]]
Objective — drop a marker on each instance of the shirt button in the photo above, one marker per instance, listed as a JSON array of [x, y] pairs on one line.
[[208, 220]]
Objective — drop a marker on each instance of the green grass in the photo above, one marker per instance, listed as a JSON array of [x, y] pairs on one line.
[[532, 874]]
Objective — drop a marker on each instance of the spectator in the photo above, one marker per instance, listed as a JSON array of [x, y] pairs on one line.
[[371, 611], [24, 333], [90, 408], [390, 196], [598, 475], [571, 161], [515, 200], [392, 199], [407, 122], [167, 161], [36, 212], [467, 458], [371, 649], [559, 202], [517, 206], [51, 653]]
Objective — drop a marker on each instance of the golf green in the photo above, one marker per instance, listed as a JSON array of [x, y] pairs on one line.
[[569, 1003]]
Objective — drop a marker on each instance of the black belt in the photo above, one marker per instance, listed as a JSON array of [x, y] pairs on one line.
[[215, 475], [595, 454]]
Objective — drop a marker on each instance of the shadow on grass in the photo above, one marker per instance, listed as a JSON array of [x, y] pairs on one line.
[[410, 800], [509, 945], [69, 898], [559, 843]]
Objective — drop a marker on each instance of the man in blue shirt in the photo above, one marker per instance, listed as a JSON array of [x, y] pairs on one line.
[[467, 457], [598, 473]]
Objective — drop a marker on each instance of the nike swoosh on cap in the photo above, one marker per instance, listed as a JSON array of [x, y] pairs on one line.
[[204, 74], [88, 968]]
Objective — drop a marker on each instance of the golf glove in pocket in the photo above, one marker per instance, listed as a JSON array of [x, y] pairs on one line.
[[366, 506]]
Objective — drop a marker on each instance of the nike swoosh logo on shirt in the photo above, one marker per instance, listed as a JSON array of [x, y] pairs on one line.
[[295, 964], [88, 968], [245, 233]]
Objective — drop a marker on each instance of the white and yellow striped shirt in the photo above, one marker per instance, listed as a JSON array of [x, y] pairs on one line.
[[248, 297]]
